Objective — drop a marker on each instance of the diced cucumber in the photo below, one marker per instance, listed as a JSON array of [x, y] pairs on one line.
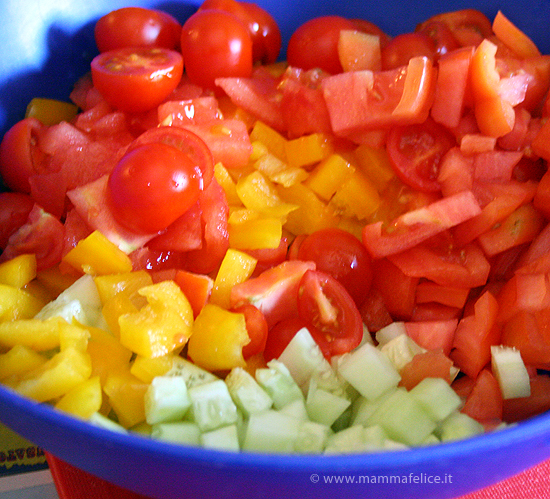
[[389, 332], [400, 350], [224, 438], [212, 406], [276, 380], [245, 391], [510, 372], [436, 397], [324, 407], [458, 426], [403, 418], [348, 441], [180, 432], [272, 432], [166, 400], [312, 438], [296, 409], [191, 373], [369, 371], [98, 419], [431, 439]]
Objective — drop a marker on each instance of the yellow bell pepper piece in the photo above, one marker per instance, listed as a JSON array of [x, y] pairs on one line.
[[291, 176], [73, 336], [116, 306], [256, 234], [127, 282], [312, 213], [57, 376], [218, 338], [227, 184], [19, 360], [236, 267], [50, 111], [357, 196], [308, 149], [17, 303], [146, 369], [40, 335], [375, 164], [18, 271], [83, 400], [270, 138], [329, 175], [97, 255], [161, 326], [126, 393], [278, 171]]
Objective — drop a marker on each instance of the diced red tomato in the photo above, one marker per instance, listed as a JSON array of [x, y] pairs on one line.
[[484, 402], [430, 364], [433, 335], [430, 292], [14, 211], [518, 409], [279, 336], [256, 326], [196, 287], [374, 313]]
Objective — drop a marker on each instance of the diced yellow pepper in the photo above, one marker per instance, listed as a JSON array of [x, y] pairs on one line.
[[83, 400], [18, 271], [308, 149], [329, 175], [240, 215], [128, 283], [115, 307], [57, 376], [290, 176], [161, 326], [108, 355], [256, 234], [270, 165], [73, 336], [375, 164], [312, 214], [270, 138], [17, 304], [236, 267], [97, 255], [50, 111], [40, 335], [356, 196], [19, 360], [126, 396], [146, 369], [218, 338], [258, 150], [227, 183], [258, 193], [352, 225]]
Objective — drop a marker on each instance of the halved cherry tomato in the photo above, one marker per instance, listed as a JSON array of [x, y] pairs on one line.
[[404, 47], [343, 256], [184, 140], [372, 29], [19, 153], [441, 35], [136, 27], [256, 326], [415, 152], [315, 44], [215, 44], [329, 312], [137, 79], [152, 186], [14, 210]]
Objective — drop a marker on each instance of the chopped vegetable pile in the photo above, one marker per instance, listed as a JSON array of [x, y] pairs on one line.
[[344, 252]]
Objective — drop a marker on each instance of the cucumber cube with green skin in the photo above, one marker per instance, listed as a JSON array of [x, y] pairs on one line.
[[191, 373], [271, 431], [180, 432], [369, 371], [166, 400], [324, 407], [245, 391], [224, 438], [276, 380], [212, 405], [312, 438], [436, 397], [510, 372], [403, 418], [458, 426]]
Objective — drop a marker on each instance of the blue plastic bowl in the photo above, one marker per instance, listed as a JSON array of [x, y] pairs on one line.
[[46, 46]]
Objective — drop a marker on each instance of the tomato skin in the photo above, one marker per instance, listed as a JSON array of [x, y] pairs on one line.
[[404, 47], [315, 44], [370, 28], [14, 210], [279, 336], [265, 32], [136, 79], [136, 27], [152, 186], [416, 151], [17, 154], [341, 255], [220, 38], [329, 312], [256, 326], [442, 36]]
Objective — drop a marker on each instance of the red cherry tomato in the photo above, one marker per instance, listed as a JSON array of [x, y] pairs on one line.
[[137, 79], [14, 210], [215, 44], [279, 337], [415, 152], [372, 29], [184, 140], [152, 186], [441, 35], [18, 152], [403, 47], [256, 326], [330, 313], [343, 256], [315, 44], [137, 27]]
